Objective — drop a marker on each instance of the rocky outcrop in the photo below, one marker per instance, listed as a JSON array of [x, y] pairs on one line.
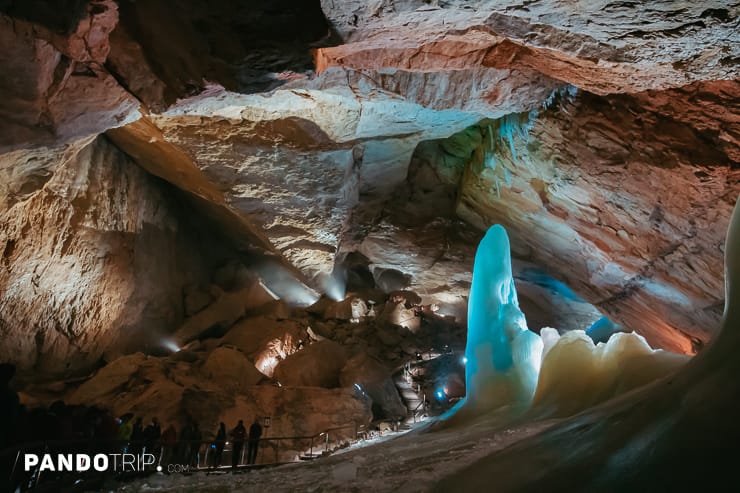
[[224, 311], [374, 378], [93, 250], [583, 45], [53, 83], [605, 202], [266, 341], [230, 368], [318, 365], [176, 391]]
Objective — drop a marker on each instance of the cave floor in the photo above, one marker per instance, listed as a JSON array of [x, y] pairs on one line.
[[408, 462]]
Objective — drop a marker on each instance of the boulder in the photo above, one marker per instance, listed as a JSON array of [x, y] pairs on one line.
[[347, 309], [230, 368], [113, 376], [318, 365], [395, 312], [391, 279], [323, 329], [374, 379], [266, 341], [227, 309], [277, 309]]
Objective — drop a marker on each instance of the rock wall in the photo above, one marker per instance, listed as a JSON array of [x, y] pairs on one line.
[[626, 204], [95, 255]]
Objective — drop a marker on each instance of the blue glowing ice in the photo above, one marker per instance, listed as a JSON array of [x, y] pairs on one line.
[[602, 330], [503, 356]]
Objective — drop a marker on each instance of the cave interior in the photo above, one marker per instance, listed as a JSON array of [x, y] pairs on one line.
[[493, 240]]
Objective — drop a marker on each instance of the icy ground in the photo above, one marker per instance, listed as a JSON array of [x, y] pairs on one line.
[[410, 462]]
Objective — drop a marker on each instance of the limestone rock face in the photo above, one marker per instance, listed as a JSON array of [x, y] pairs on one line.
[[222, 313], [347, 309], [318, 365], [600, 46], [113, 377], [54, 85], [82, 235], [617, 229]]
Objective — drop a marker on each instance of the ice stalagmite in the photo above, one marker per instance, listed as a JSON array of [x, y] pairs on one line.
[[503, 356]]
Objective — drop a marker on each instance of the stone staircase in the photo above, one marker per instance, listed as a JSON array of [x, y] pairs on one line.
[[411, 398]]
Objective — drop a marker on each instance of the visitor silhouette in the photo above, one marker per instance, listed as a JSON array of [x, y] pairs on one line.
[[255, 432], [125, 430], [10, 411], [218, 445], [137, 436], [197, 436], [169, 445], [238, 434]]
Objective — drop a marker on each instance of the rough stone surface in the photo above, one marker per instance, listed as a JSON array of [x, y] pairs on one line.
[[54, 86], [318, 365], [266, 341], [82, 231], [222, 313], [176, 391], [374, 379], [616, 229], [231, 368]]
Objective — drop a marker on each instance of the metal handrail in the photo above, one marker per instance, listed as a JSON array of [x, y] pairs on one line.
[[423, 403], [182, 448], [325, 434]]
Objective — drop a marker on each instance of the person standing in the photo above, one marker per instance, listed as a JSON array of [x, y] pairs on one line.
[[169, 444], [10, 416], [151, 437], [125, 429], [218, 446], [186, 442], [238, 434], [255, 432], [197, 436], [137, 436]]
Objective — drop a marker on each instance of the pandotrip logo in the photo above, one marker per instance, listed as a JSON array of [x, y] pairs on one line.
[[84, 462]]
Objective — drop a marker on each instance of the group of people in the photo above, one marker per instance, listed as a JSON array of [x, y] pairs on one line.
[[66, 428], [187, 450], [239, 435]]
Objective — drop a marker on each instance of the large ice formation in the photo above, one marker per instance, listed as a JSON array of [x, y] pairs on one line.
[[503, 356], [577, 374], [510, 367]]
